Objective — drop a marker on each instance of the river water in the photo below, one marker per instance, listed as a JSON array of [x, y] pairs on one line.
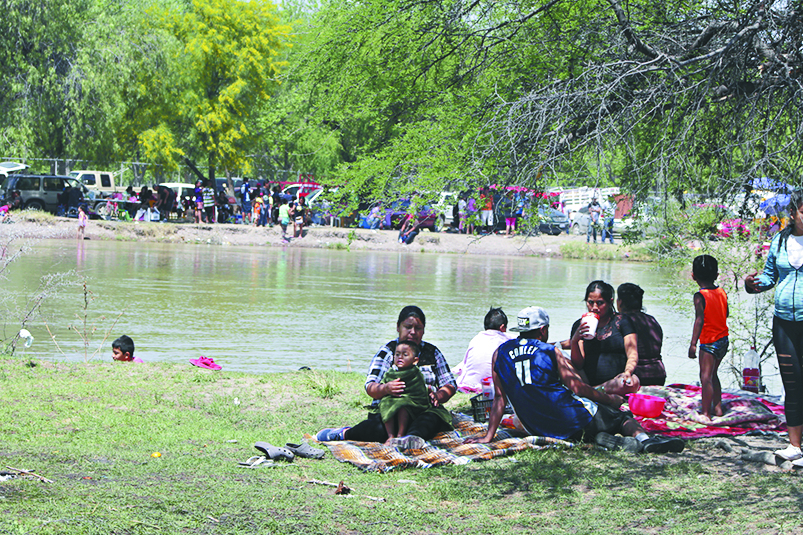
[[261, 309]]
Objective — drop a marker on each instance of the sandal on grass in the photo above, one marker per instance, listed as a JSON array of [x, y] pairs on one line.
[[274, 452], [305, 450], [206, 362], [257, 460]]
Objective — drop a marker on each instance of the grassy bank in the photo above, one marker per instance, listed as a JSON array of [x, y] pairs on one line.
[[92, 430]]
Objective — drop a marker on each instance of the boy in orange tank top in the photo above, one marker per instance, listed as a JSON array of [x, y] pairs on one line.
[[711, 330]]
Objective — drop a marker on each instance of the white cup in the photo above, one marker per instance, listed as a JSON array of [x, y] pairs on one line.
[[592, 320]]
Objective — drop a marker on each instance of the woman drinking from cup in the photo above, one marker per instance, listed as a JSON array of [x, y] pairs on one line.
[[604, 344]]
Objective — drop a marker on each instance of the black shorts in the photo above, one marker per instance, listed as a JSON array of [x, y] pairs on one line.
[[607, 420]]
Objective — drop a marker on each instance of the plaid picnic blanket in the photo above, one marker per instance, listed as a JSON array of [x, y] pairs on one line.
[[681, 417], [445, 448]]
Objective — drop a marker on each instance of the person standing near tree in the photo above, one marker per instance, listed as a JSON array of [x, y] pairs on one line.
[[487, 210], [208, 195], [608, 214], [783, 270], [199, 202], [245, 200], [594, 213]]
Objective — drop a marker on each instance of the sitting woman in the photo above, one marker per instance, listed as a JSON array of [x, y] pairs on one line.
[[609, 359], [650, 369], [437, 375]]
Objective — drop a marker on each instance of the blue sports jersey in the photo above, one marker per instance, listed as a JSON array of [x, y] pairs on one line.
[[529, 375]]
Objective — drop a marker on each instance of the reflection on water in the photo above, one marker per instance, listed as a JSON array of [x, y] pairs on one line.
[[275, 309]]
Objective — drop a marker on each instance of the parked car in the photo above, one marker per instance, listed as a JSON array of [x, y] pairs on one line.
[[6, 168], [101, 182], [323, 210], [220, 183], [582, 219], [302, 188], [552, 221], [446, 208], [427, 217], [40, 192]]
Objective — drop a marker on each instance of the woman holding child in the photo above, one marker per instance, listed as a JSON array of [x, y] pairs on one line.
[[437, 376], [609, 358], [783, 270]]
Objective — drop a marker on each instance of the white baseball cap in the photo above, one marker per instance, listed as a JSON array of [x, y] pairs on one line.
[[531, 318]]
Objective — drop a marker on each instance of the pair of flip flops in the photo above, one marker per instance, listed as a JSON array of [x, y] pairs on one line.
[[289, 452], [257, 460], [206, 363]]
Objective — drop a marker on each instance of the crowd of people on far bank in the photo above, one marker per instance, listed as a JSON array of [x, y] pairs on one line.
[[489, 211], [615, 348]]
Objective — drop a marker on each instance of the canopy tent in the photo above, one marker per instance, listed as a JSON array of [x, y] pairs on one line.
[[769, 184], [776, 204]]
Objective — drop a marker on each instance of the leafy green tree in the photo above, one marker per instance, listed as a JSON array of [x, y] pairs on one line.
[[222, 66], [654, 97], [36, 56]]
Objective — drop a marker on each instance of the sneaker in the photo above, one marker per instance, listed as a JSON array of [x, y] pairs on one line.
[[615, 443], [790, 453], [662, 444], [409, 442], [331, 433], [798, 463]]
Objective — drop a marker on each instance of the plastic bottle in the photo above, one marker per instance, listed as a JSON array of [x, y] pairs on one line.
[[750, 373], [488, 388]]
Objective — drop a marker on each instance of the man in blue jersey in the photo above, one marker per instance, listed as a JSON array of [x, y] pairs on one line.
[[551, 399]]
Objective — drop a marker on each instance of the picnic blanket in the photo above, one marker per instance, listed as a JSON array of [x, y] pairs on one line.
[[445, 448], [744, 413]]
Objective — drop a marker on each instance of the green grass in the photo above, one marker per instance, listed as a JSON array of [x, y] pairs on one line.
[[635, 252], [91, 428]]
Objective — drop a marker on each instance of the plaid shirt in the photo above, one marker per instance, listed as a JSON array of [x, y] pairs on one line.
[[431, 362]]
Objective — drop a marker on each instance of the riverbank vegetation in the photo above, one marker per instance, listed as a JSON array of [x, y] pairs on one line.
[[155, 448]]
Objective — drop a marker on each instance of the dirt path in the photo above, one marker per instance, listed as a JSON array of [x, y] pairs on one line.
[[48, 227]]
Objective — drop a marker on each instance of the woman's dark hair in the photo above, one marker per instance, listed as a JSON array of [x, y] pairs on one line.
[[495, 318], [630, 296], [604, 288], [414, 312], [795, 200]]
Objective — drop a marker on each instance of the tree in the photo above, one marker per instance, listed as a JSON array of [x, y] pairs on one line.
[[656, 97], [222, 68], [37, 56]]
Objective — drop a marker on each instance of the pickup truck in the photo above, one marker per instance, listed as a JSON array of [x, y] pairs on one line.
[[99, 183]]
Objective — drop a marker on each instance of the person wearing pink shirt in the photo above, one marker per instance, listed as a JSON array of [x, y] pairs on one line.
[[476, 365]]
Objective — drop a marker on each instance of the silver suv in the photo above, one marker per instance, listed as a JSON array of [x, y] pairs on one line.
[[38, 192]]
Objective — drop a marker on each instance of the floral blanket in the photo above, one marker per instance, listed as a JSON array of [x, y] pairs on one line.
[[445, 448], [681, 417]]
